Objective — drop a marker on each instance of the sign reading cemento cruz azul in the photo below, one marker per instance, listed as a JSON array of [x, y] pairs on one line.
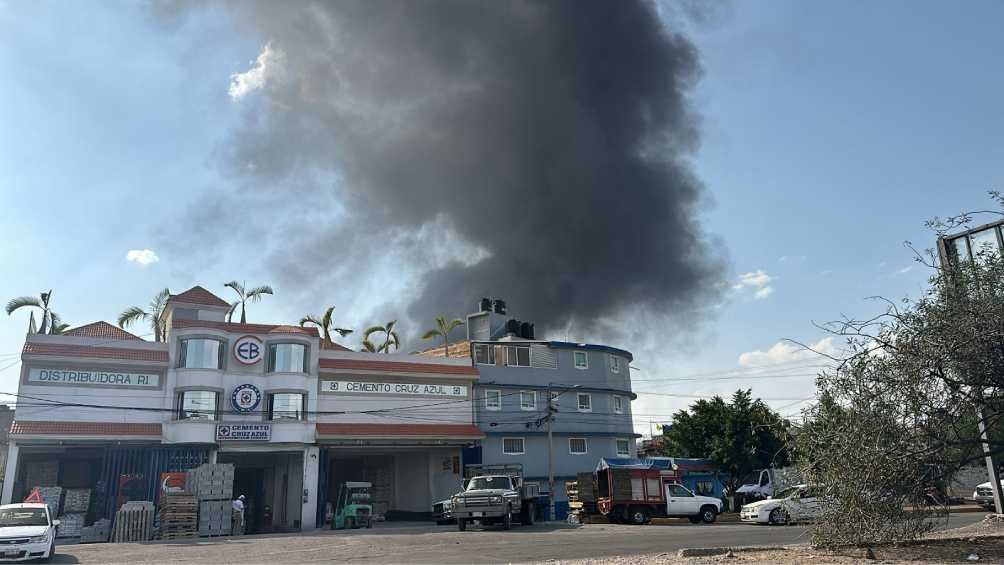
[[99, 378], [393, 388], [243, 432], [245, 398]]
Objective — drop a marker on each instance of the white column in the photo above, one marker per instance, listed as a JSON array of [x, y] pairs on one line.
[[10, 473], [212, 456], [311, 468]]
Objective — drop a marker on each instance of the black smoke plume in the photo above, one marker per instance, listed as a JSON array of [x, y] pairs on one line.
[[533, 151]]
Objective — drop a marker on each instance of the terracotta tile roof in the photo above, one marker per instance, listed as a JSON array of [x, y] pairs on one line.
[[84, 428], [332, 346], [458, 350], [102, 330], [393, 430], [199, 295], [64, 350], [398, 366], [244, 328]]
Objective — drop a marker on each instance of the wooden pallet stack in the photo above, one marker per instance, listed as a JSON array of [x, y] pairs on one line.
[[134, 522], [179, 516]]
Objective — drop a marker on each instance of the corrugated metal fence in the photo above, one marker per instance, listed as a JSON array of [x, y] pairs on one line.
[[149, 462]]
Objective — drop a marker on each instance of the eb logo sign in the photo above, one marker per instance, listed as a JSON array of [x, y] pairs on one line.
[[248, 350]]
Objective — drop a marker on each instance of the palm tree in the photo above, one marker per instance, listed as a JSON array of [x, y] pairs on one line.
[[443, 329], [324, 323], [50, 320], [245, 296], [154, 314], [390, 338]]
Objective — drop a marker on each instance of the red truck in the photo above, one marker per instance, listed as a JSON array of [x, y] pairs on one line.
[[636, 490]]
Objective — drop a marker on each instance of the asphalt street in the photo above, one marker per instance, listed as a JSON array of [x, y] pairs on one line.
[[422, 543]]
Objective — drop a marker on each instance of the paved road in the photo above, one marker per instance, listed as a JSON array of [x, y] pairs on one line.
[[420, 543]]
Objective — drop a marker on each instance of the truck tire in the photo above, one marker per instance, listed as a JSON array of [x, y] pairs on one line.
[[507, 519], [527, 514], [638, 515], [461, 524], [709, 514]]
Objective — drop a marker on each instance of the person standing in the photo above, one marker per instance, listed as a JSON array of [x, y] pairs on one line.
[[237, 517]]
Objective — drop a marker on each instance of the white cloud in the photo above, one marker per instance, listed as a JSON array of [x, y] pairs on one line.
[[142, 256], [787, 352], [905, 270], [759, 280], [826, 272], [267, 67]]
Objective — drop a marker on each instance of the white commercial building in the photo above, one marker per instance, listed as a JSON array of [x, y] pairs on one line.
[[102, 409]]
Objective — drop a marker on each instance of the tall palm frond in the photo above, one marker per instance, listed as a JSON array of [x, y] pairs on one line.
[[390, 336], [244, 296], [155, 314], [443, 329], [42, 303], [324, 323], [368, 346]]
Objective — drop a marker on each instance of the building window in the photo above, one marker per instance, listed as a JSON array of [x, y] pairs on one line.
[[618, 404], [513, 446], [493, 400], [581, 359], [555, 398], [197, 405], [585, 402], [615, 364], [484, 354], [984, 244], [200, 354], [577, 446], [287, 358], [517, 355], [285, 406], [527, 400], [704, 488], [624, 447]]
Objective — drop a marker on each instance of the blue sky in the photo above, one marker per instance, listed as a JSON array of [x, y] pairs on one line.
[[831, 131]]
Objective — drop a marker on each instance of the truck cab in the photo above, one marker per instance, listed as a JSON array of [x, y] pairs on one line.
[[495, 498]]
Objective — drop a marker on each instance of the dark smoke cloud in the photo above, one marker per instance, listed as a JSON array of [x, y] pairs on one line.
[[551, 140]]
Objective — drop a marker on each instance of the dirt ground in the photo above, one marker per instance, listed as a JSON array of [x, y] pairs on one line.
[[982, 542]]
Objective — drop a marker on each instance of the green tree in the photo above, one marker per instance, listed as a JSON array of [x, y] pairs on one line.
[[390, 338], [50, 321], [154, 314], [443, 329], [325, 324], [739, 436], [244, 296]]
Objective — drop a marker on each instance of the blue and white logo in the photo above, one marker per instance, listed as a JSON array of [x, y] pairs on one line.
[[248, 350], [245, 398]]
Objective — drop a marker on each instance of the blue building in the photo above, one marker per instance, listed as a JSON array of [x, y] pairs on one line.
[[589, 387]]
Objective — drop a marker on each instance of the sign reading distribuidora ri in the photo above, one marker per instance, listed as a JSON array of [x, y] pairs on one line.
[[97, 378], [393, 388]]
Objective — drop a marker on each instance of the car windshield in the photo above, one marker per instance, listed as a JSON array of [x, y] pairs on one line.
[[489, 483], [23, 517], [787, 493]]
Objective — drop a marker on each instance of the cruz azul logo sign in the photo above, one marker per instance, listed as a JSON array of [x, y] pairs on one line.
[[245, 398], [248, 350]]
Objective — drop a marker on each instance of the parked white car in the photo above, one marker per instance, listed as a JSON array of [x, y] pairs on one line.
[[799, 503], [984, 495], [27, 531]]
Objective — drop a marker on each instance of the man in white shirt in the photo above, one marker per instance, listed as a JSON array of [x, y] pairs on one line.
[[237, 517]]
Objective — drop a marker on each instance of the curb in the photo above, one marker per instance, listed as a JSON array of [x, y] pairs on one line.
[[708, 551]]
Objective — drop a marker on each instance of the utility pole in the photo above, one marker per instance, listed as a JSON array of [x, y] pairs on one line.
[[550, 453], [995, 476]]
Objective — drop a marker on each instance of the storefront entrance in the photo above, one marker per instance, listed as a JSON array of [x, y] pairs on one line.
[[405, 482], [272, 485]]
